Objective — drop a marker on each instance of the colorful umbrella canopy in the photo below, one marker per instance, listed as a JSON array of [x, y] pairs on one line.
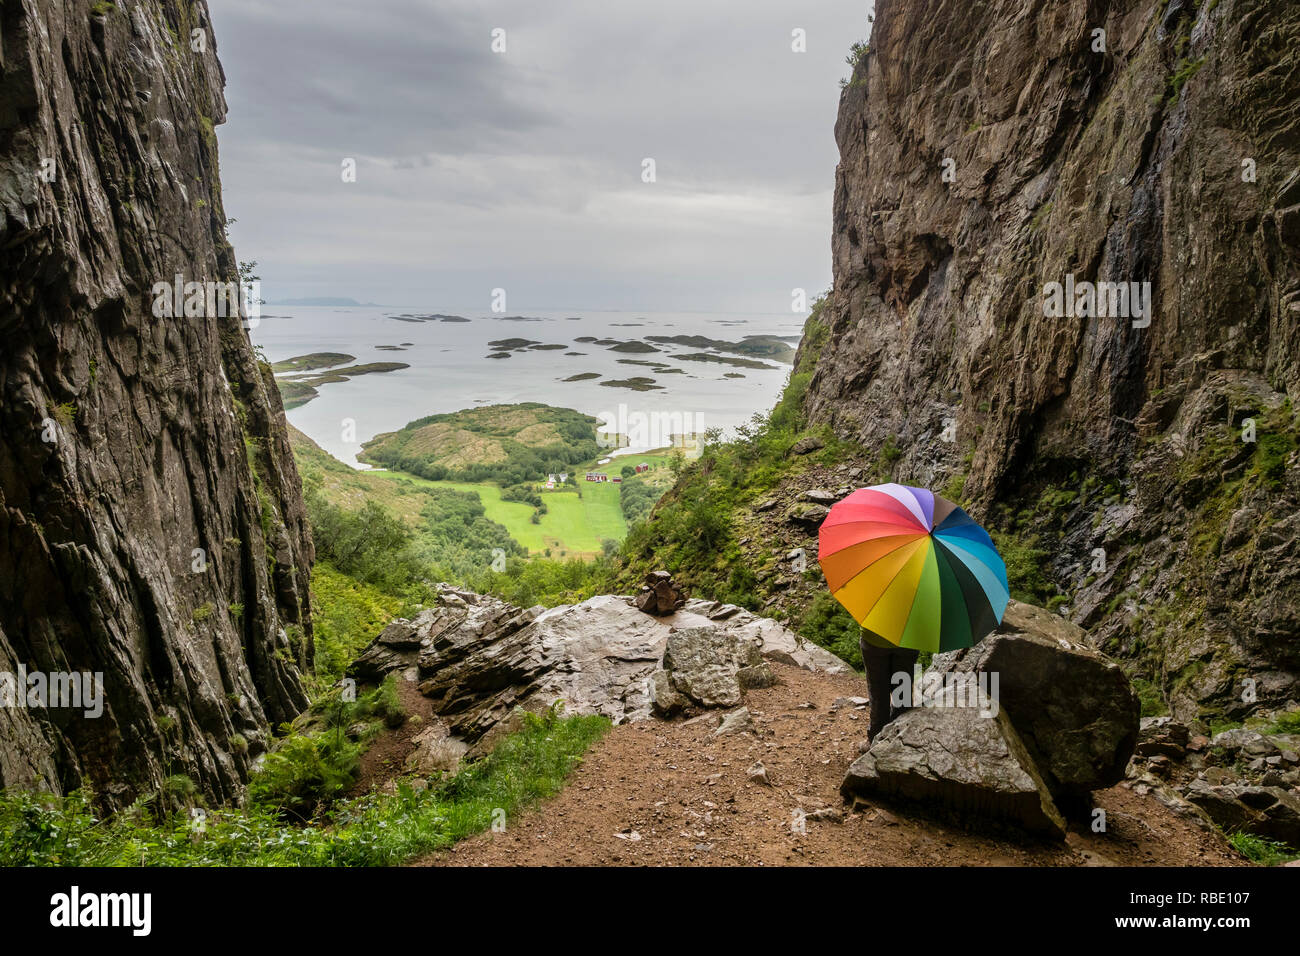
[[913, 568]]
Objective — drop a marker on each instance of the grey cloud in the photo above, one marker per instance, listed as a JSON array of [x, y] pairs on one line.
[[477, 169]]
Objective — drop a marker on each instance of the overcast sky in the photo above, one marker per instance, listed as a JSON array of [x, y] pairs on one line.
[[522, 170]]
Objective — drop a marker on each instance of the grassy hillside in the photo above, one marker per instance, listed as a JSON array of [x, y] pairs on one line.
[[504, 443]]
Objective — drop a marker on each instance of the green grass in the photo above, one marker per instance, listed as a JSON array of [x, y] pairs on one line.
[[1219, 726], [377, 830], [571, 524], [1153, 702], [65, 414], [1041, 215], [1262, 851], [1184, 71], [1286, 723]]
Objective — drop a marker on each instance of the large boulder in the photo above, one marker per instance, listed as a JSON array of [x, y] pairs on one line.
[[1073, 708], [959, 761], [712, 667]]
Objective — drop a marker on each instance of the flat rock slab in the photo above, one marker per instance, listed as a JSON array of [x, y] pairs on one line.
[[479, 658]]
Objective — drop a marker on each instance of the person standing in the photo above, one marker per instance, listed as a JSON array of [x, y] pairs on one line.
[[882, 661]]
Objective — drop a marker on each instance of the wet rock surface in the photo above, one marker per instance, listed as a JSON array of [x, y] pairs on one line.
[[151, 525], [986, 155], [957, 762], [478, 658]]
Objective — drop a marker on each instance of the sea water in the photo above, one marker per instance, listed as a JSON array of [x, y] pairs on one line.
[[450, 369]]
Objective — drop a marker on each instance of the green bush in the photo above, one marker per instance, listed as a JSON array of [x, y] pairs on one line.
[[387, 705], [346, 616], [457, 537], [371, 544], [637, 498], [742, 587], [1285, 723], [304, 773], [1153, 702], [180, 788], [1262, 851], [1025, 561], [525, 493], [546, 581]]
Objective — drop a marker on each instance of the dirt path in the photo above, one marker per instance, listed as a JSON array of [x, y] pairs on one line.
[[656, 793]]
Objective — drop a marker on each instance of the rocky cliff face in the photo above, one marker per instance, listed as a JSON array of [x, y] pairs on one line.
[[151, 527], [991, 148]]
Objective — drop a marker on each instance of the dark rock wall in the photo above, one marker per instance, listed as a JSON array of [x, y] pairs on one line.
[[129, 441], [1120, 165]]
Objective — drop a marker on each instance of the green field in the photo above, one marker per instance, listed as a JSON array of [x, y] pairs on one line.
[[572, 526], [575, 525]]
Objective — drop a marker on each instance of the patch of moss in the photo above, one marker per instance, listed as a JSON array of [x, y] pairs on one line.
[[1153, 702], [1184, 71], [1040, 217]]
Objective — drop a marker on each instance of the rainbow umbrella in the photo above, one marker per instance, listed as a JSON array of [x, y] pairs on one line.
[[913, 568]]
